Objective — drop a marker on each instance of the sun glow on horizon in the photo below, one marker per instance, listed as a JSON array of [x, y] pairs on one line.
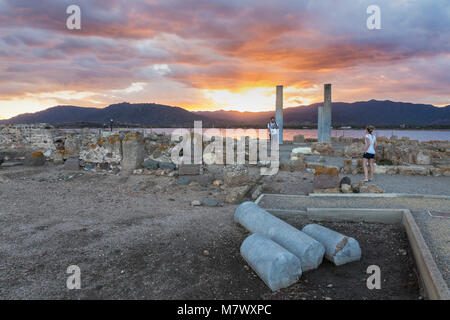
[[254, 99]]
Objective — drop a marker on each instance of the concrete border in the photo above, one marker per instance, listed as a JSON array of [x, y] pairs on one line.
[[432, 282], [380, 195]]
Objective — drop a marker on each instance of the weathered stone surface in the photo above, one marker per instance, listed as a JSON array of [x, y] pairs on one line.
[[257, 192], [423, 158], [299, 138], [150, 164], [369, 188], [72, 164], [379, 169], [189, 169], [236, 175], [11, 164], [329, 190], [35, 159], [301, 150], [355, 150], [196, 203], [72, 144], [324, 148], [236, 194], [391, 170], [57, 157], [257, 220], [102, 150], [217, 183], [326, 178], [133, 152], [353, 166], [413, 170], [297, 163], [167, 166], [345, 180], [208, 202], [27, 137], [276, 266], [346, 188], [339, 248]]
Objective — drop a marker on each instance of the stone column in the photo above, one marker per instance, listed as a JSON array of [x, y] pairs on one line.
[[320, 124], [326, 120], [279, 112]]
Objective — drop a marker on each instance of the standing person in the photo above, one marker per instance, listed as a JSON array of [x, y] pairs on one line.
[[272, 128], [369, 152]]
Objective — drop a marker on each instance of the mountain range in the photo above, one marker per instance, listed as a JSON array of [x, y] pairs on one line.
[[378, 113]]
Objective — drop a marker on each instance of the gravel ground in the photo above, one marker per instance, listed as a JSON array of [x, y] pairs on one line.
[[137, 237]]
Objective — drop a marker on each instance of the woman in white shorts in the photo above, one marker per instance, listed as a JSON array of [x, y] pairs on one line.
[[369, 152]]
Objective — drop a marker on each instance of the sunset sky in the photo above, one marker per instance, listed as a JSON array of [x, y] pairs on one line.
[[221, 54]]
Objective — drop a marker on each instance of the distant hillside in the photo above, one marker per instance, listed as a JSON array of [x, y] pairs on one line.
[[378, 113], [125, 113]]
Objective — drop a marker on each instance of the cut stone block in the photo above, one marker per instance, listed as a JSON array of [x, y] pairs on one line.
[[35, 159], [276, 266], [133, 152], [256, 220], [189, 169], [339, 248], [326, 178]]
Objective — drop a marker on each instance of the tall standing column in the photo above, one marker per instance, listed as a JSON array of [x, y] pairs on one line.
[[320, 124], [279, 112], [326, 135]]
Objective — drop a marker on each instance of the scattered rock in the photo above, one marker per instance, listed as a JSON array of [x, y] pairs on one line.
[[355, 187], [210, 202], [369, 188], [346, 188], [184, 181], [167, 166], [236, 194], [89, 166], [236, 175], [345, 180], [150, 164], [218, 183], [196, 203], [324, 148]]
